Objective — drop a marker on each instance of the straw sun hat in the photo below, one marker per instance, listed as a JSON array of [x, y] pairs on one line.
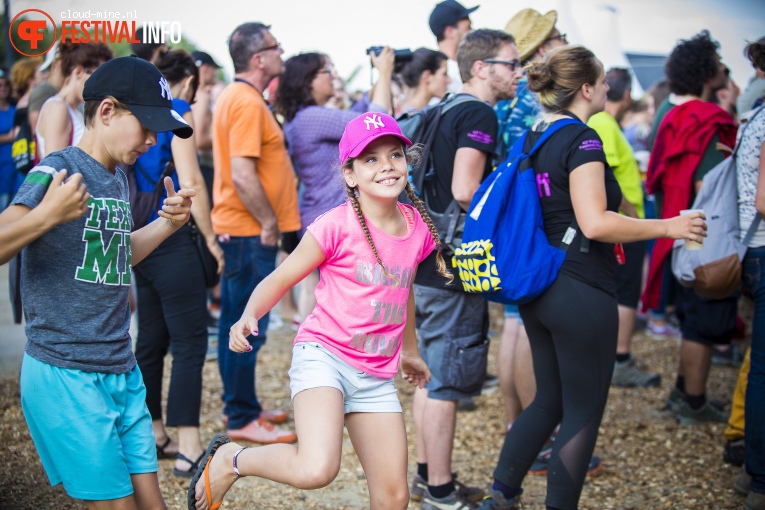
[[530, 30]]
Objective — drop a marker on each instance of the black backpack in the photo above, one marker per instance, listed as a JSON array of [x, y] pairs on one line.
[[421, 128], [23, 148]]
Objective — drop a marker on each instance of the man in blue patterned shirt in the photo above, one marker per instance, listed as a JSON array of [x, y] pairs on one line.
[[535, 34]]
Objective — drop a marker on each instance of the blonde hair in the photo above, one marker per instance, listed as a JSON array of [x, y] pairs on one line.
[[22, 72], [413, 154], [562, 74]]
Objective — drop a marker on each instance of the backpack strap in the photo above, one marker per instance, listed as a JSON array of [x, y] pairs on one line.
[[752, 229], [169, 168], [525, 163]]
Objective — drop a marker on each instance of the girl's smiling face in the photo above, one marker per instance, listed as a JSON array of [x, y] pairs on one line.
[[380, 171]]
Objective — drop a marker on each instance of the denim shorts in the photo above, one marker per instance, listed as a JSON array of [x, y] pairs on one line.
[[92, 430], [314, 366], [452, 332]]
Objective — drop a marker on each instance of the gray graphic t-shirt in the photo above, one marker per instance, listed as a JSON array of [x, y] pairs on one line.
[[75, 278]]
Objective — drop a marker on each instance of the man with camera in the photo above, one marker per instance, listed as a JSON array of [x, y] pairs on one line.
[[450, 22], [452, 326]]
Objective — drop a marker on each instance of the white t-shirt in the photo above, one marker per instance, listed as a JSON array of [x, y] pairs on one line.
[[747, 169], [453, 70]]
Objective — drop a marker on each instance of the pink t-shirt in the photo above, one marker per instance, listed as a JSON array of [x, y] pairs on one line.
[[360, 313]]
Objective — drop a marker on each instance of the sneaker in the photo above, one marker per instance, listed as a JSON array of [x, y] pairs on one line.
[[419, 485], [742, 482], [661, 331], [466, 404], [755, 501], [677, 397], [732, 356], [212, 323], [490, 384], [275, 322], [212, 346], [686, 415], [263, 432], [539, 467], [454, 501], [274, 416], [733, 453], [495, 500], [628, 375]]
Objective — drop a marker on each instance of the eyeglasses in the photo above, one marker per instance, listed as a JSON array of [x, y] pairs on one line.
[[277, 46], [512, 64], [562, 38]]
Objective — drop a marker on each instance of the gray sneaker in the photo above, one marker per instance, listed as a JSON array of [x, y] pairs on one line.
[[628, 375], [454, 501], [742, 482], [677, 397], [419, 486], [754, 501], [686, 415], [495, 500]]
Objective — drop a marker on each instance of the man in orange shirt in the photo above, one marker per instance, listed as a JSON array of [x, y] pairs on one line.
[[255, 199]]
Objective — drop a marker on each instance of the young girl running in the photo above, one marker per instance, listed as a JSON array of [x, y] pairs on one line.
[[347, 351]]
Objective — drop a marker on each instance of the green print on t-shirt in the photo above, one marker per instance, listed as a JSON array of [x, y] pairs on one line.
[[101, 264]]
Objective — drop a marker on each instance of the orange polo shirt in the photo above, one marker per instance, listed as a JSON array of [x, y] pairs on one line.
[[243, 126]]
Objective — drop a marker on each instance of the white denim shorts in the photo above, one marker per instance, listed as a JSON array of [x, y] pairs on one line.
[[314, 366]]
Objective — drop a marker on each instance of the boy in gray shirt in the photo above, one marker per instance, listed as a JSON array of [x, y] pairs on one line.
[[82, 394]]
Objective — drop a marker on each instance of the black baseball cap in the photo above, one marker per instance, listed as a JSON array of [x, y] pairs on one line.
[[201, 58], [140, 86], [447, 14]]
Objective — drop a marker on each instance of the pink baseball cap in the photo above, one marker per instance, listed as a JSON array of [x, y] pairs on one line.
[[365, 129]]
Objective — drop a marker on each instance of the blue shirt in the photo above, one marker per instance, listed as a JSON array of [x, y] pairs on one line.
[[10, 179], [153, 162], [516, 116]]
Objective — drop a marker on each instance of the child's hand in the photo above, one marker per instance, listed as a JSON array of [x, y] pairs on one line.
[[414, 370], [65, 201], [237, 338], [177, 206]]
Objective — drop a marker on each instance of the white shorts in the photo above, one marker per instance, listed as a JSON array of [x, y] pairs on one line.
[[313, 366]]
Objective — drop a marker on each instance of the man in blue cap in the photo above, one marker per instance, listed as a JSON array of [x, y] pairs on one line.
[[449, 22]]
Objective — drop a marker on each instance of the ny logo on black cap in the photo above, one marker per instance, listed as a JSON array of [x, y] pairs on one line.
[[165, 89]]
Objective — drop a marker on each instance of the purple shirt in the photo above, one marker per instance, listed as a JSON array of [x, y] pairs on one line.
[[313, 136]]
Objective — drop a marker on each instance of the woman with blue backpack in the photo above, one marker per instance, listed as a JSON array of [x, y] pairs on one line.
[[573, 324]]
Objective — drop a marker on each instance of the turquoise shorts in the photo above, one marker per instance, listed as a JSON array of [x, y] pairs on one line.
[[92, 430]]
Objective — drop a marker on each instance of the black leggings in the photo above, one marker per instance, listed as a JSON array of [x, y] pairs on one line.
[[572, 329], [172, 315]]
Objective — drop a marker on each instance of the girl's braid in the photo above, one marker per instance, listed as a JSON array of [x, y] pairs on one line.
[[420, 205], [357, 207]]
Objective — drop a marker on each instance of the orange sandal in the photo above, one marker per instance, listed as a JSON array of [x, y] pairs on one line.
[[216, 442]]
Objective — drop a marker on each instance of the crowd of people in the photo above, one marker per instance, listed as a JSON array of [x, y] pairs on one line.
[[298, 196]]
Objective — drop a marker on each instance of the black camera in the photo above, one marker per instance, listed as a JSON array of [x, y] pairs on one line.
[[399, 56]]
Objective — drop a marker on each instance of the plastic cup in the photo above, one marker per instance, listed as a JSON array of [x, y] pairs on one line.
[[692, 245]]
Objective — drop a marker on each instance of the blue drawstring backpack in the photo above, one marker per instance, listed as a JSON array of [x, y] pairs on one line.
[[504, 255]]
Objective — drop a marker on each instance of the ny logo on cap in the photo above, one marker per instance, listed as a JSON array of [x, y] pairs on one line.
[[374, 120], [165, 89]]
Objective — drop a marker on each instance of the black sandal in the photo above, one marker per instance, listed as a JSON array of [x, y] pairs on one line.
[[161, 453], [188, 473]]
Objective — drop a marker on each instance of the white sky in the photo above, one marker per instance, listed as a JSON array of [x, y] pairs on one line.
[[344, 28]]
